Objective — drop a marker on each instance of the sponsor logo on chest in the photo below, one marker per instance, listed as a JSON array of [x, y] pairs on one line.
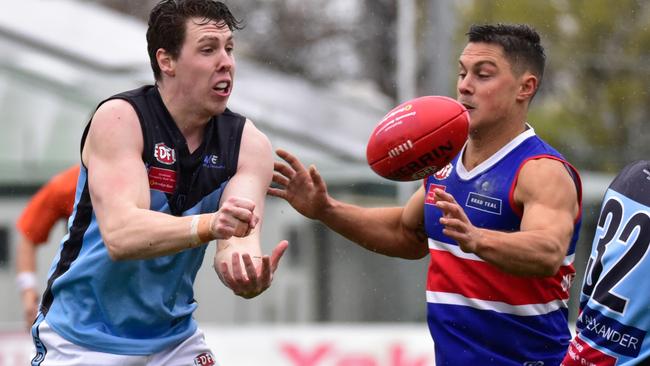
[[212, 162], [484, 203], [163, 180], [444, 173], [430, 198], [164, 154]]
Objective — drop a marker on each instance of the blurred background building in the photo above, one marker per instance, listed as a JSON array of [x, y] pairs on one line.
[[316, 76]]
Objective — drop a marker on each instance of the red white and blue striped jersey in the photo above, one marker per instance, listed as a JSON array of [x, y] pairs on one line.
[[614, 318], [478, 314]]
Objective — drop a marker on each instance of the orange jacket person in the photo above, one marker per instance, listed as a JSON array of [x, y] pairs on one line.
[[53, 202]]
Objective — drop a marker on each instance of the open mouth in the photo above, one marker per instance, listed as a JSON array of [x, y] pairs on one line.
[[222, 87]]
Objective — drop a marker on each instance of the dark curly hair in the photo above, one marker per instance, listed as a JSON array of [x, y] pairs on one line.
[[520, 42], [167, 24]]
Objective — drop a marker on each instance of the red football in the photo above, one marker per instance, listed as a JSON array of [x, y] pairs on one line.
[[417, 138]]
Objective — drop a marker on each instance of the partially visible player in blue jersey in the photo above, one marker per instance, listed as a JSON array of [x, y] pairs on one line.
[[166, 168], [499, 223], [614, 320]]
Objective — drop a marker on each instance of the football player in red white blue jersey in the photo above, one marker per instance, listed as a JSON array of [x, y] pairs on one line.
[[500, 225], [466, 291], [614, 319]]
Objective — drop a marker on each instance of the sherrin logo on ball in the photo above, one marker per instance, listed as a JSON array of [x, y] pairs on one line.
[[417, 138]]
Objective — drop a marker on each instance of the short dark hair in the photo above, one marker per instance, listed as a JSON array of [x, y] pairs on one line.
[[167, 24], [520, 42]]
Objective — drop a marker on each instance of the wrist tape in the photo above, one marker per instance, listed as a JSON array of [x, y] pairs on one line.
[[200, 229], [26, 280]]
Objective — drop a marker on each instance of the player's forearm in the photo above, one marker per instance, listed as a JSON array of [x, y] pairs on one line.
[[141, 234], [523, 253], [26, 269], [26, 256], [377, 229]]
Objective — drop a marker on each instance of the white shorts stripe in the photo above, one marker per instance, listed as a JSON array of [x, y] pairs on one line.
[[501, 307]]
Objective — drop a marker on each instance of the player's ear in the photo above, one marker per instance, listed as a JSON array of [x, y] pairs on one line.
[[528, 86], [166, 62]]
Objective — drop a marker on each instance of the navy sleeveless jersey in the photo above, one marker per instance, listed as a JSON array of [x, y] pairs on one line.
[[141, 307], [478, 314], [615, 301]]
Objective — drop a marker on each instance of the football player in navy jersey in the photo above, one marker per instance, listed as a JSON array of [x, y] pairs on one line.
[[614, 321], [166, 169], [499, 224]]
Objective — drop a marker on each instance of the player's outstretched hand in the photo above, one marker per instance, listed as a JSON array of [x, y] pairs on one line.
[[456, 224], [304, 189], [257, 274], [236, 217]]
